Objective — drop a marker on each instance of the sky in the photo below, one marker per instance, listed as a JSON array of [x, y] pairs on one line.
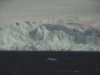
[[11, 9]]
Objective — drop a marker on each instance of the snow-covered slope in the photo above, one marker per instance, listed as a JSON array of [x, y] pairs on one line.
[[70, 34]]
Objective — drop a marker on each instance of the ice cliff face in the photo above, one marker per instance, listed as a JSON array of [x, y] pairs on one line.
[[35, 36]]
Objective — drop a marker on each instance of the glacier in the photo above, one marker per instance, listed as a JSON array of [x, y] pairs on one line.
[[67, 35]]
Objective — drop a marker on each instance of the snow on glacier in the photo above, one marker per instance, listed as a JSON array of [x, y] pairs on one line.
[[72, 34]]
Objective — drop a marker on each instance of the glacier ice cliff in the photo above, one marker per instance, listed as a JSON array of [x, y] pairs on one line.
[[36, 36]]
